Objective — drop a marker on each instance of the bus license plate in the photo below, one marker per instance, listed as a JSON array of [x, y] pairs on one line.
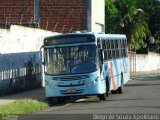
[[71, 91]]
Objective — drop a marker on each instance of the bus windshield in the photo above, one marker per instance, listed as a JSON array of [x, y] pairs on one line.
[[71, 60]]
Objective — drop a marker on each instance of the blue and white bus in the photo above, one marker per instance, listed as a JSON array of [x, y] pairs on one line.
[[84, 64]]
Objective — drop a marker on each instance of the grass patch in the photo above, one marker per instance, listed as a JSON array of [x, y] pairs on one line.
[[22, 107]]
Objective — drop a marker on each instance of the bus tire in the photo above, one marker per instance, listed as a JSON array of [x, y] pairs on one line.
[[114, 91], [52, 101], [61, 100], [107, 86], [103, 97], [120, 89], [49, 101]]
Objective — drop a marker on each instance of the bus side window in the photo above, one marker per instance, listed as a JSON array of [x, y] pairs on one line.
[[108, 44], [117, 50], [106, 51], [123, 48], [99, 43], [109, 50], [103, 44], [103, 47], [112, 48]]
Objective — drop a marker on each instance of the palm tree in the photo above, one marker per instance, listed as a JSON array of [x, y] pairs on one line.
[[152, 8], [130, 20]]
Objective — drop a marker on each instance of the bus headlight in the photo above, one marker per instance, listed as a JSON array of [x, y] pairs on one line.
[[96, 79], [91, 83]]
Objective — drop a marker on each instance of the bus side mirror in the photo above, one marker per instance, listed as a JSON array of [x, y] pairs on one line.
[[41, 55], [101, 56]]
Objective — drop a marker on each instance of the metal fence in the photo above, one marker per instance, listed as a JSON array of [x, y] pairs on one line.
[[132, 57]]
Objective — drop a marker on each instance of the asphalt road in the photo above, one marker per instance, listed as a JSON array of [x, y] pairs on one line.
[[140, 96]]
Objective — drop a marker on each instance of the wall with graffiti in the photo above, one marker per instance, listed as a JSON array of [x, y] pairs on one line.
[[20, 67]]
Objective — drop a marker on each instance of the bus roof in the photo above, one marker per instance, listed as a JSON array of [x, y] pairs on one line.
[[97, 35], [103, 35]]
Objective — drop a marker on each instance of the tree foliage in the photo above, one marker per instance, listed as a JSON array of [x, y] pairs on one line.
[[112, 16], [152, 8], [126, 17]]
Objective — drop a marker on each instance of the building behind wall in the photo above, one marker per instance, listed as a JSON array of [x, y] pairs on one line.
[[54, 15], [96, 15], [16, 12]]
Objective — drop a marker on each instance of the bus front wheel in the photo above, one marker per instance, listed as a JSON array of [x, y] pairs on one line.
[[103, 97], [52, 101]]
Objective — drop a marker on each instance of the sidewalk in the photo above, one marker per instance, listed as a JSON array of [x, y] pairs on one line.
[[147, 73], [38, 94]]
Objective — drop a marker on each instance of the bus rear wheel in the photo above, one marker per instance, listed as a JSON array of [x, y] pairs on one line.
[[120, 89], [114, 91], [107, 86]]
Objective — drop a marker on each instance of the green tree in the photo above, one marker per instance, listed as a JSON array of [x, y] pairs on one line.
[[111, 17], [127, 18], [152, 9]]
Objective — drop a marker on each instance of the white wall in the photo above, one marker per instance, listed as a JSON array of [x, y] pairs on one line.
[[96, 15], [147, 62], [18, 46], [21, 39]]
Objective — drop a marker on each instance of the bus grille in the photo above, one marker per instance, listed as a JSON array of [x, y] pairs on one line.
[[69, 78]]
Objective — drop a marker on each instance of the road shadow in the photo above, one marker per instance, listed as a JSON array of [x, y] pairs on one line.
[[69, 100], [141, 84], [148, 78], [109, 100]]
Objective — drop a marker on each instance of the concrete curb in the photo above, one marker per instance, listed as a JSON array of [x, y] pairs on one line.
[[147, 74]]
